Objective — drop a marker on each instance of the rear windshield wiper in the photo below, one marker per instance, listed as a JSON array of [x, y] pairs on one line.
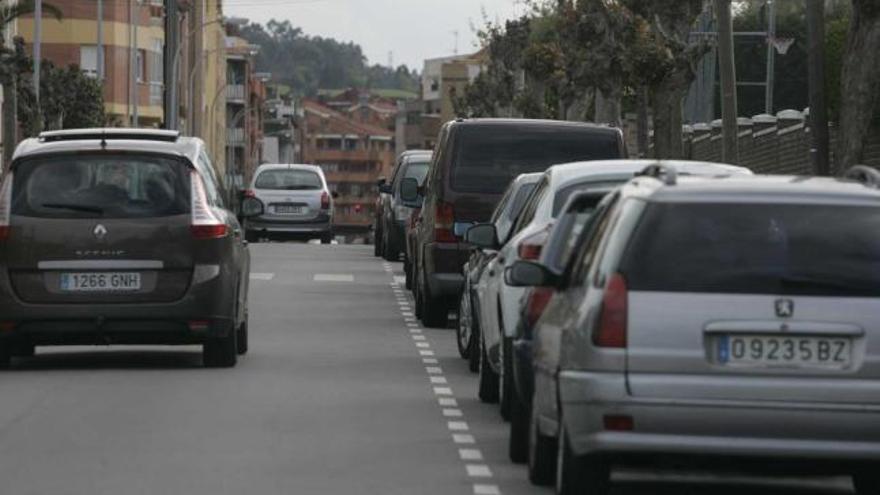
[[74, 207], [812, 281]]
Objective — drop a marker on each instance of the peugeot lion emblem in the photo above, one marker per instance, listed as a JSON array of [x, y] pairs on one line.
[[100, 232], [784, 308]]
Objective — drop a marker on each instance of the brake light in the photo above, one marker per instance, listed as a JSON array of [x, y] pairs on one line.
[[198, 325], [5, 206], [618, 423], [530, 247], [611, 331], [536, 302], [325, 201], [444, 223], [205, 223], [250, 193], [7, 326]]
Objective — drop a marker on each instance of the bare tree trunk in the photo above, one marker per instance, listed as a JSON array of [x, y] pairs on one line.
[[10, 123], [608, 108], [667, 99], [860, 82], [642, 125]]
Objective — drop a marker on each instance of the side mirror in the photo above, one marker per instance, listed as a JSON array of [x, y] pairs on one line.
[[529, 274], [334, 194], [482, 235], [409, 190], [381, 182], [252, 207], [385, 188]]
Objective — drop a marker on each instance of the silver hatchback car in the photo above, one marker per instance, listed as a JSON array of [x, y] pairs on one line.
[[297, 203], [731, 318]]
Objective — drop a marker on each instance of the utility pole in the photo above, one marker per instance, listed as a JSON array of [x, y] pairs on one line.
[[136, 65], [818, 110], [729, 138], [172, 48], [38, 41], [100, 43], [771, 57]]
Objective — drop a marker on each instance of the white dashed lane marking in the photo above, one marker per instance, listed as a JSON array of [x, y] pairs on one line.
[[262, 276], [472, 457], [334, 277]]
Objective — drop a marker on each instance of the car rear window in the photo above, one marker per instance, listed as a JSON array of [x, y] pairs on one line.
[[758, 248], [489, 157], [563, 194], [417, 171], [101, 186], [289, 180]]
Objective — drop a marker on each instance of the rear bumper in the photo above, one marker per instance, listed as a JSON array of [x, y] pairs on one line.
[[815, 432], [211, 304], [322, 223], [443, 268]]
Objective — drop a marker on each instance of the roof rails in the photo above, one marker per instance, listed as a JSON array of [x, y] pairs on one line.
[[667, 174], [864, 174], [130, 134]]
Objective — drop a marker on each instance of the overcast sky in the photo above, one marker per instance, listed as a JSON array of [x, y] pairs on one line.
[[412, 29]]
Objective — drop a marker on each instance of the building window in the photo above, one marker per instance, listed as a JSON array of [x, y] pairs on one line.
[[157, 61], [140, 65], [88, 60]]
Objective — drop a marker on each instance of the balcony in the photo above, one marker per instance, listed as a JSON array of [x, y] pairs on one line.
[[235, 93], [235, 137]]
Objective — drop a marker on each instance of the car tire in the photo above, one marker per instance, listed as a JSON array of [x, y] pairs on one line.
[[488, 388], [241, 338], [542, 453], [417, 295], [474, 356], [5, 355], [377, 242], [464, 325], [220, 352], [407, 271], [251, 237], [579, 475], [518, 440], [435, 310], [867, 482], [506, 386], [388, 254], [327, 238]]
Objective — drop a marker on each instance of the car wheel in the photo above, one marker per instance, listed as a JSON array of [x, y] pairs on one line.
[[220, 352], [241, 336], [518, 440], [463, 328], [5, 355], [474, 355], [417, 295], [388, 254], [377, 242], [542, 453], [579, 475], [407, 271], [867, 482], [327, 238], [488, 391], [251, 236], [505, 389], [435, 310]]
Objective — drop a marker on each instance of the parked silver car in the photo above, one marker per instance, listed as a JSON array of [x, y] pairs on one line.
[[298, 204], [727, 318]]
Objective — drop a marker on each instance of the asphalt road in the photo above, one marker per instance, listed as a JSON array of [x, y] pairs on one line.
[[341, 393]]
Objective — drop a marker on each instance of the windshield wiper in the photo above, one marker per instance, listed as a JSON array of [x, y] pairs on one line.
[[74, 207], [812, 281]]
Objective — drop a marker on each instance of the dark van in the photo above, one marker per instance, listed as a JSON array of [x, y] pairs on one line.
[[473, 163]]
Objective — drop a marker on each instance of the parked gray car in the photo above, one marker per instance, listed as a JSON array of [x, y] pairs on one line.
[[297, 203], [702, 319], [119, 236]]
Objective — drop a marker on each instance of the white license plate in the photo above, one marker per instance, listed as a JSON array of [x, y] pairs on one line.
[[101, 282], [763, 351], [289, 210]]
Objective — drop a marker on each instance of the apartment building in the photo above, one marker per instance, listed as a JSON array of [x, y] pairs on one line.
[[245, 106], [353, 156]]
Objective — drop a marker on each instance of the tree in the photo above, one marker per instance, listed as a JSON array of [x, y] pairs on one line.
[[860, 81], [671, 24], [70, 99]]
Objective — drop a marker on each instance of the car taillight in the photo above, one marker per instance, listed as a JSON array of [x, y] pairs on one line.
[[530, 247], [444, 223], [325, 201], [205, 224], [5, 206], [611, 331], [537, 300], [250, 193]]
